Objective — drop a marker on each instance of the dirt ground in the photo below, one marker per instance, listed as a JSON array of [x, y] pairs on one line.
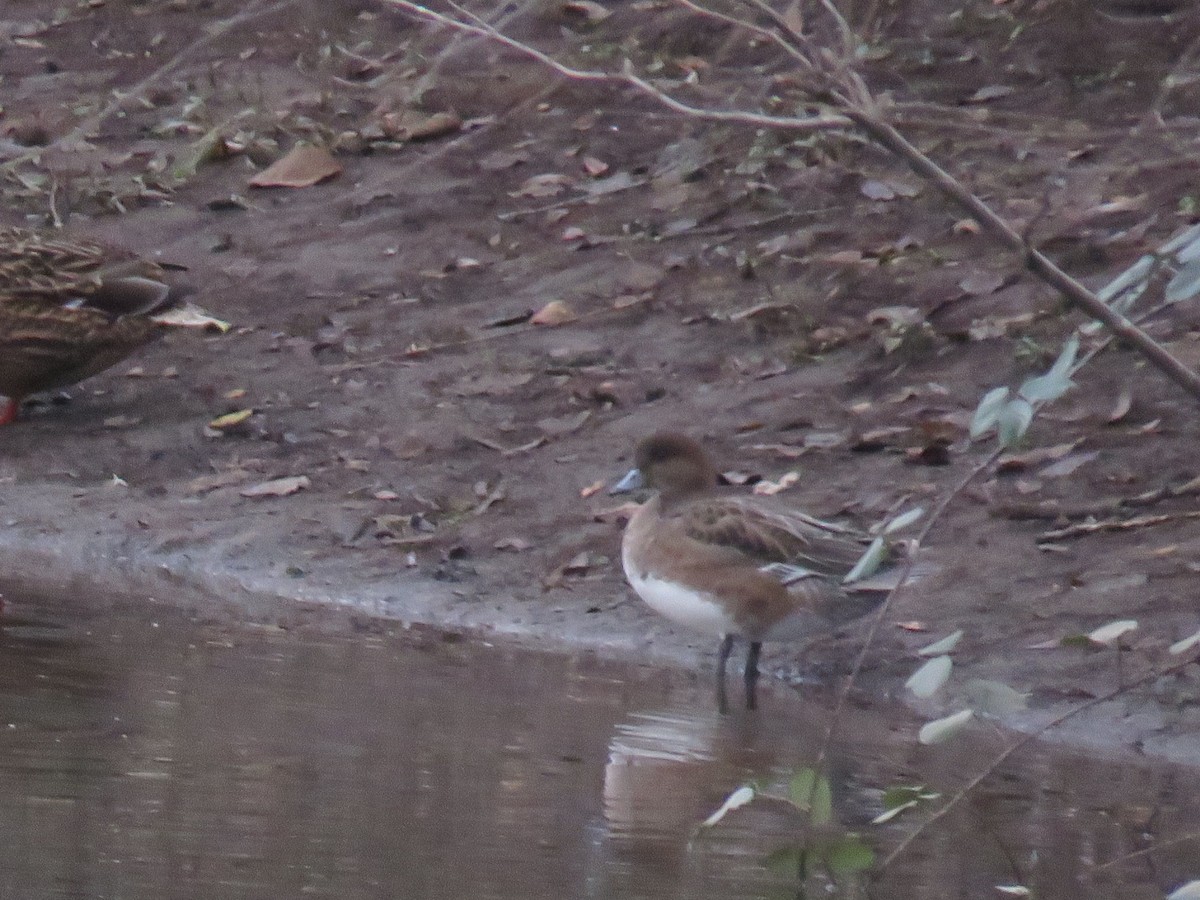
[[803, 304]]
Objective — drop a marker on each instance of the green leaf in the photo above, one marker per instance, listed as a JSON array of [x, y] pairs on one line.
[[1045, 388], [1189, 891], [890, 814], [869, 563], [945, 645], [904, 797], [1057, 381], [1127, 279], [994, 698], [1014, 421], [800, 788], [822, 802], [1106, 634], [785, 861], [1185, 284], [945, 728], [904, 520], [738, 798], [1066, 358], [988, 411], [1076, 640], [849, 856], [929, 678], [1184, 645], [1187, 241]]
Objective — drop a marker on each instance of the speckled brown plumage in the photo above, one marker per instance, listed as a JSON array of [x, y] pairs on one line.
[[70, 309]]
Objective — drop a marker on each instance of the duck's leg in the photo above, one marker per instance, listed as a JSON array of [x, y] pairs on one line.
[[12, 406], [722, 659], [751, 674]]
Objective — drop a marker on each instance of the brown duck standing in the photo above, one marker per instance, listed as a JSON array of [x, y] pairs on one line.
[[732, 565], [71, 308]]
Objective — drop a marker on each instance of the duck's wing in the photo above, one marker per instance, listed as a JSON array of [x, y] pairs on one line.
[[786, 543], [54, 270]]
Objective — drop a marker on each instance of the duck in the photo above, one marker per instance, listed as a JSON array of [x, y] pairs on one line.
[[733, 565], [71, 308]]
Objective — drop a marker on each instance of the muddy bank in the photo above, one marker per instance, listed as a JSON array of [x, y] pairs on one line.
[[803, 306]]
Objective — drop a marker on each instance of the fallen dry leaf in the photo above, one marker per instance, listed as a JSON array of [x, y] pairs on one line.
[[278, 487], [1121, 408], [594, 488], [205, 483], [231, 420], [548, 184], [413, 125], [553, 314], [304, 166], [774, 487], [512, 544], [991, 92], [594, 167], [588, 10]]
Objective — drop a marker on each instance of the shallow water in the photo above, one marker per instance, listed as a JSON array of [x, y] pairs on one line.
[[147, 755]]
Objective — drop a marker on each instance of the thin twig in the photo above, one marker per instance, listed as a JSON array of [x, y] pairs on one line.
[[1035, 261], [934, 515], [1016, 745], [1161, 845], [741, 117]]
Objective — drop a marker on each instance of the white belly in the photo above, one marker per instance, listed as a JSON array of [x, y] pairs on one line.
[[680, 604]]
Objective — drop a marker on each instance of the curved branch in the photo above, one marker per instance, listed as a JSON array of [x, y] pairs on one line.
[[757, 120]]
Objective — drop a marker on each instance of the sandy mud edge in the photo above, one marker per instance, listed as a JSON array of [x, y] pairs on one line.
[[202, 583]]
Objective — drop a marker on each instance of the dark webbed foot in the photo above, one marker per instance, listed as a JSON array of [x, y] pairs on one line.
[[722, 658], [751, 674]]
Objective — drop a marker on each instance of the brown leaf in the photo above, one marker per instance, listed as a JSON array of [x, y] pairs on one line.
[[594, 488], [414, 125], [1019, 462], [553, 314], [548, 184], [205, 483], [594, 167], [231, 420], [991, 92], [278, 487], [513, 544], [979, 283], [1121, 408], [304, 166], [588, 10]]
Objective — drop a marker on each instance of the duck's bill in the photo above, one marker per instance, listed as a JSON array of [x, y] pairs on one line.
[[633, 481], [188, 315]]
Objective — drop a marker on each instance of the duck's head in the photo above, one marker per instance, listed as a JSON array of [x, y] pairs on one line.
[[672, 464]]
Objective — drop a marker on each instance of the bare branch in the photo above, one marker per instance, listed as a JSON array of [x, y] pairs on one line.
[[757, 120], [1035, 261], [1020, 742]]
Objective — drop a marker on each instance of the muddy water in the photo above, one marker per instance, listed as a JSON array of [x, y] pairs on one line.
[[144, 754]]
